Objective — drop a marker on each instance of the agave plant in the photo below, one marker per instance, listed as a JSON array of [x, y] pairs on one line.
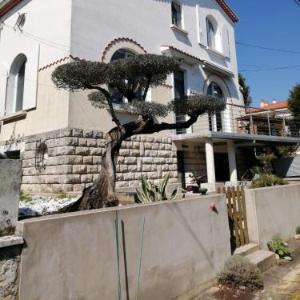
[[150, 192]]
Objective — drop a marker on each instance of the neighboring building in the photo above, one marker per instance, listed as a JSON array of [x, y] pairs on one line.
[[59, 134]]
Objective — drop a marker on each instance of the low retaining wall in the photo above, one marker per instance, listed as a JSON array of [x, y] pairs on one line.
[[68, 160], [10, 182], [273, 211], [176, 247]]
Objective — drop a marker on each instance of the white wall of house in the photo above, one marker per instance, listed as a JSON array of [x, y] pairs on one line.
[[148, 22], [44, 38], [57, 28]]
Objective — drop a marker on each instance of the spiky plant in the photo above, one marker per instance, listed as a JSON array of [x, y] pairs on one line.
[[150, 192]]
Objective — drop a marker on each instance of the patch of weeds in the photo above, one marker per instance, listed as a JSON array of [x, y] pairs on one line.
[[61, 195], [298, 229], [240, 273], [266, 180], [278, 246], [25, 197]]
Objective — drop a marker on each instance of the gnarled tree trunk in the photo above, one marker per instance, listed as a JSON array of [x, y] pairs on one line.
[[102, 192]]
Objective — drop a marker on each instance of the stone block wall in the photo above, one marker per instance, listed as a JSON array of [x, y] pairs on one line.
[[71, 160], [194, 163], [9, 268]]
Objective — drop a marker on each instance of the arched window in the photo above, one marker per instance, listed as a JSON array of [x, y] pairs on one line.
[[120, 54], [15, 86], [215, 91], [211, 34], [215, 120]]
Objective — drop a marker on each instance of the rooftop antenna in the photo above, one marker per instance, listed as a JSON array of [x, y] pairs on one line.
[[20, 21]]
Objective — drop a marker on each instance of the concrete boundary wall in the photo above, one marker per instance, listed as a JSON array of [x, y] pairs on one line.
[[74, 256], [10, 183], [273, 211]]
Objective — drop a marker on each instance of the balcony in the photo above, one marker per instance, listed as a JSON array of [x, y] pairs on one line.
[[238, 122]]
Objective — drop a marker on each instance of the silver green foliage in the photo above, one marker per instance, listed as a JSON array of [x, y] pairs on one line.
[[240, 273], [150, 192]]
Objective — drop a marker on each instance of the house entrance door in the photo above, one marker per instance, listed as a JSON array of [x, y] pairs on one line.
[[222, 167]]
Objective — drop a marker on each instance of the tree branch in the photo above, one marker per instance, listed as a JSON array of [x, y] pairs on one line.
[[146, 88], [109, 103], [167, 126], [147, 126]]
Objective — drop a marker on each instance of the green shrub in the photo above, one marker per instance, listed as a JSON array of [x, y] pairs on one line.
[[25, 197], [265, 180], [239, 272], [298, 229], [279, 247], [150, 192]]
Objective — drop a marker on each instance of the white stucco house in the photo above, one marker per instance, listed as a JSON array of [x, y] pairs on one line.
[[59, 134]]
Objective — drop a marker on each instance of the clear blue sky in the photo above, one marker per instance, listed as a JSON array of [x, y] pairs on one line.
[[272, 24]]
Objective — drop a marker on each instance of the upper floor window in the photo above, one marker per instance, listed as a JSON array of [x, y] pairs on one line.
[[176, 14], [215, 120], [211, 34], [117, 95], [179, 93], [122, 54], [15, 86], [215, 91]]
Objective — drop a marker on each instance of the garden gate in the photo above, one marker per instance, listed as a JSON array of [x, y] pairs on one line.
[[236, 206]]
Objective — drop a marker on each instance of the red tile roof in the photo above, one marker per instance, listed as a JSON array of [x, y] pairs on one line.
[[7, 6], [231, 14], [269, 106]]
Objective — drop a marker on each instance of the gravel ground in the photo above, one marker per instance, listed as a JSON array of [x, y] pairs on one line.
[[39, 206]]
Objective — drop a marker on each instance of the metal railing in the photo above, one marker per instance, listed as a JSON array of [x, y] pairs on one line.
[[255, 121]]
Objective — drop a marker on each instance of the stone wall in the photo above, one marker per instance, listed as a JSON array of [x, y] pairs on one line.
[[10, 182], [72, 160], [194, 163], [9, 267]]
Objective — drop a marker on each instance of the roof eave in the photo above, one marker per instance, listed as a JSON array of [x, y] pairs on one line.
[[228, 10], [8, 6]]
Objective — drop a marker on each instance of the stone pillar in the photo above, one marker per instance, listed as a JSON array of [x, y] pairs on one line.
[[210, 163], [232, 161]]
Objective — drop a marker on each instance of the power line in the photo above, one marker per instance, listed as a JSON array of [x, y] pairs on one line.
[[268, 48], [297, 2], [294, 67], [42, 40]]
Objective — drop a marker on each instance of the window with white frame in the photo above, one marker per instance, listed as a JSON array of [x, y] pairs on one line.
[[215, 120], [122, 54], [211, 34], [15, 85], [176, 14]]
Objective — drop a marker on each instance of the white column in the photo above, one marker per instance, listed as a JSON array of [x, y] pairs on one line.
[[232, 161], [210, 162]]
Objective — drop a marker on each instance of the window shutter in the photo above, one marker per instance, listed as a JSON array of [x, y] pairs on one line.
[[225, 41], [31, 80], [201, 26], [3, 84]]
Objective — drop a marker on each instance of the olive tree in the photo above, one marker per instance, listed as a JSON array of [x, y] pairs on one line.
[[130, 78]]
